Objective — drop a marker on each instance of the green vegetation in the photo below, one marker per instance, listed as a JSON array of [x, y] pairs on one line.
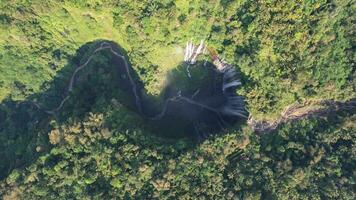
[[288, 51], [93, 159], [98, 147]]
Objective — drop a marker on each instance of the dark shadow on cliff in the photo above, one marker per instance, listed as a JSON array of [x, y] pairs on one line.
[[103, 87]]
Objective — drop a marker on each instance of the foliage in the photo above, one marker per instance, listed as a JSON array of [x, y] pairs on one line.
[[98, 147], [287, 51], [311, 159]]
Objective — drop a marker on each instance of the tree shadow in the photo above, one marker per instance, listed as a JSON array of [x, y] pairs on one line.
[[102, 85]]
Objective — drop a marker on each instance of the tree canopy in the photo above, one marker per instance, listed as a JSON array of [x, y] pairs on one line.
[[98, 147]]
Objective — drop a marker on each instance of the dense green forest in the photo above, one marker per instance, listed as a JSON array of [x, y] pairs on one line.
[[99, 147]]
